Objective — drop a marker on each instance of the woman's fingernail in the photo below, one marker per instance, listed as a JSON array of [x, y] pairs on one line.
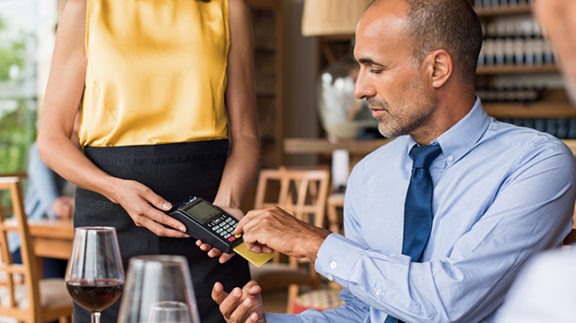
[[167, 206]]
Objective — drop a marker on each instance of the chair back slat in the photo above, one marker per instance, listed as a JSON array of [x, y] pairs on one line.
[[302, 193], [14, 275]]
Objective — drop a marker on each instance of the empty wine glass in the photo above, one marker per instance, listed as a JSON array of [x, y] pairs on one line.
[[95, 275], [158, 290]]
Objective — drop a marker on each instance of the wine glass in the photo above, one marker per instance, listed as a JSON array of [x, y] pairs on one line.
[[169, 312], [158, 290], [95, 275]]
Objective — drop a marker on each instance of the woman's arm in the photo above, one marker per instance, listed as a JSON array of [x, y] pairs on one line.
[[558, 21], [63, 95], [242, 163]]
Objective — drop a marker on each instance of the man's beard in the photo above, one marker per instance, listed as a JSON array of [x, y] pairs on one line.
[[396, 125]]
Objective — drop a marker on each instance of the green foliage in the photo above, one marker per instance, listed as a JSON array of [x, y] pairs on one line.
[[12, 53], [17, 126], [16, 132]]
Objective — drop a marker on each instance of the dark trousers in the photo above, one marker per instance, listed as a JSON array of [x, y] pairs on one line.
[[174, 171]]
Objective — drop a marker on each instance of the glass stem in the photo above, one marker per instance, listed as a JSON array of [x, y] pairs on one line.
[[95, 317]]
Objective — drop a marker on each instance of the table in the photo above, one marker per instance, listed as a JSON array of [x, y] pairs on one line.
[[52, 238], [356, 148]]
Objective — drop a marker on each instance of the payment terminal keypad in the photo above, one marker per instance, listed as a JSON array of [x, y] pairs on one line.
[[224, 226]]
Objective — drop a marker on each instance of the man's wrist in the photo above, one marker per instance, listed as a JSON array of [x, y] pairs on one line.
[[317, 243]]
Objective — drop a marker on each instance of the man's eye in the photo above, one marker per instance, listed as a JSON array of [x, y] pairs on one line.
[[375, 71]]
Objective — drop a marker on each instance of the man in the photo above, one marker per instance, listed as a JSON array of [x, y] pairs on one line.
[[500, 192]]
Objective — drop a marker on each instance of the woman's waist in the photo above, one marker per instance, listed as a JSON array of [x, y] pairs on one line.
[[158, 153]]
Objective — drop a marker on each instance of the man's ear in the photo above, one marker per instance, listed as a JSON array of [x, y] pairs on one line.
[[441, 65]]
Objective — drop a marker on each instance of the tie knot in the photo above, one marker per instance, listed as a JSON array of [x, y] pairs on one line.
[[423, 156]]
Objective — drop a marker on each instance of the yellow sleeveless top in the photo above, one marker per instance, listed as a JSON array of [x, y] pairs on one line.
[[156, 72]]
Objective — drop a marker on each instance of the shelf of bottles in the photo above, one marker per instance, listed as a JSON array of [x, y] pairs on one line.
[[515, 42], [501, 7], [563, 128], [514, 59]]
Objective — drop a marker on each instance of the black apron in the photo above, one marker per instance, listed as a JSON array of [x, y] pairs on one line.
[[173, 171]]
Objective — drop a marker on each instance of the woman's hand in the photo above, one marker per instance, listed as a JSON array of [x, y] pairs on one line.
[[147, 209], [214, 252]]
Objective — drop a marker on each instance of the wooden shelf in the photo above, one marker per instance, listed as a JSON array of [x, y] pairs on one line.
[[516, 69], [553, 104], [324, 146], [503, 10], [531, 110]]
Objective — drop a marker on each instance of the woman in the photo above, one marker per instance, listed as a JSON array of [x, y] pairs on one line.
[[167, 111]]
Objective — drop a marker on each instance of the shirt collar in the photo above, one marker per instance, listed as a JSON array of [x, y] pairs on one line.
[[462, 136]]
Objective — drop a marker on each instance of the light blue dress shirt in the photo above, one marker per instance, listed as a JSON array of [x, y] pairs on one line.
[[501, 194]]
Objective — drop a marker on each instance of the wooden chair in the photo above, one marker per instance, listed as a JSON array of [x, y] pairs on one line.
[[23, 295], [303, 193]]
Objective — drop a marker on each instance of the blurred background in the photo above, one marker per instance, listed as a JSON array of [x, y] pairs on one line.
[[26, 41]]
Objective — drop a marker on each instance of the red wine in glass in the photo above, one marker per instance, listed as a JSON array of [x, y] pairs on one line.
[[95, 295], [95, 275]]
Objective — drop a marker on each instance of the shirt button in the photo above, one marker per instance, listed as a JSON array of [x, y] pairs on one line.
[[378, 292], [330, 278], [333, 264], [450, 158]]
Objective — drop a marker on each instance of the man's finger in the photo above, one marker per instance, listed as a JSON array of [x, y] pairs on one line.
[[253, 318], [218, 294], [230, 303]]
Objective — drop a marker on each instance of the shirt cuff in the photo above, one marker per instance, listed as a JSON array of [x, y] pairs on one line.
[[337, 258]]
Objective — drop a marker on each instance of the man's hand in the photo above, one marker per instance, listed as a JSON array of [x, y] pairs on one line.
[[63, 207], [147, 209], [273, 229], [241, 305]]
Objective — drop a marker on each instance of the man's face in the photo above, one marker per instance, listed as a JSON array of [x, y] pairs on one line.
[[395, 86]]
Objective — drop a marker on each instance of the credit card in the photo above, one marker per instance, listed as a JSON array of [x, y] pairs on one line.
[[257, 259]]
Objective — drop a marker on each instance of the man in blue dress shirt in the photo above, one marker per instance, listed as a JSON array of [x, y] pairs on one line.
[[501, 193]]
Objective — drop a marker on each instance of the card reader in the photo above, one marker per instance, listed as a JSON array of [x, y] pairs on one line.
[[207, 222]]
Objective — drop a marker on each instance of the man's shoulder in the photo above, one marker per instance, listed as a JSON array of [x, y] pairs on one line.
[[532, 140]]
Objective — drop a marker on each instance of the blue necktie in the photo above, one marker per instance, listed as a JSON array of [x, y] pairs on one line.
[[418, 205]]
